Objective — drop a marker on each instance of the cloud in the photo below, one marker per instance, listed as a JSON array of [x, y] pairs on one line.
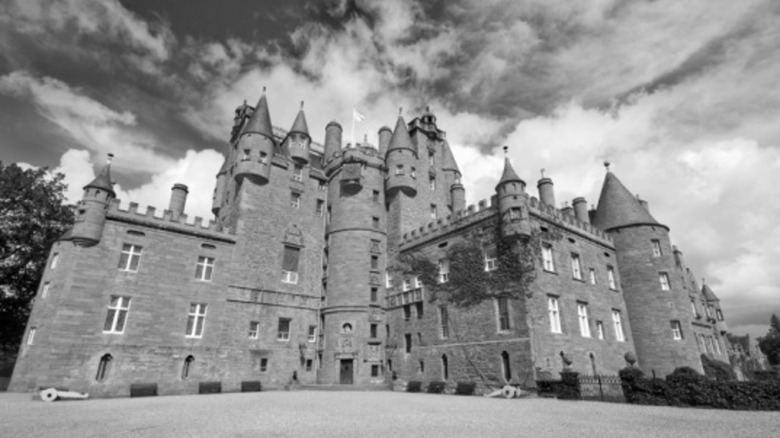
[[87, 121]]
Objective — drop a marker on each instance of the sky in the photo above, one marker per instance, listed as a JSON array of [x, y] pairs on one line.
[[682, 98]]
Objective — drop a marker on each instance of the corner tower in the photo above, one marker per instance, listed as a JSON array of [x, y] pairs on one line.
[[512, 204], [656, 301], [256, 146], [355, 259], [92, 209]]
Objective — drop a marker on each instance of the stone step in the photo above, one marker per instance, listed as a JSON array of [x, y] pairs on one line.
[[338, 387]]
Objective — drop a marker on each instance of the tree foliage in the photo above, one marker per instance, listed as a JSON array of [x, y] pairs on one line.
[[32, 217], [770, 344]]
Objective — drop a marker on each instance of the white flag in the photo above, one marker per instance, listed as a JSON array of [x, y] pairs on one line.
[[357, 116]]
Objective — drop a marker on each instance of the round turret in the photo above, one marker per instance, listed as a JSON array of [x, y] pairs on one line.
[[298, 139], [256, 146], [458, 196], [546, 191], [401, 162], [332, 139], [92, 209], [513, 204]]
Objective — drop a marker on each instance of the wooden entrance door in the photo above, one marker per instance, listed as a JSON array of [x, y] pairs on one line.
[[346, 372]]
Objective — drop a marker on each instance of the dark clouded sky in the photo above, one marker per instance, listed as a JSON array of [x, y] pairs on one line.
[[682, 98]]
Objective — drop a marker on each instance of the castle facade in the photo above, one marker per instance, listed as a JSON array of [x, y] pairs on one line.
[[296, 280]]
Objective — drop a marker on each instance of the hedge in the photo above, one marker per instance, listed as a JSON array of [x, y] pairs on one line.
[[683, 388]]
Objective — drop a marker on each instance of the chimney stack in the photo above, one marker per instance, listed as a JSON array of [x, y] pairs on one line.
[[581, 209], [178, 200]]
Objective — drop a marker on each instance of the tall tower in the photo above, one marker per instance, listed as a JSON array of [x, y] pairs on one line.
[[91, 210], [352, 312], [655, 298], [512, 204]]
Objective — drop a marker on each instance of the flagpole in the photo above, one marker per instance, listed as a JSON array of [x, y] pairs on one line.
[[352, 137]]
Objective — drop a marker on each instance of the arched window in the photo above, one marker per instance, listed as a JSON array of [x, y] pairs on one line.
[[185, 369], [505, 367], [103, 367], [445, 370], [346, 328], [593, 363]]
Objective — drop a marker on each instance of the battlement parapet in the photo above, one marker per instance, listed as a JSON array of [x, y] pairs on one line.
[[368, 155], [566, 221], [441, 226], [166, 222]]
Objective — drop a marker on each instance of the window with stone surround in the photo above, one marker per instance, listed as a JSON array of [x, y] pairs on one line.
[[506, 368], [129, 257], [444, 271], [419, 309], [196, 320], [374, 370], [373, 331], [432, 183], [600, 330], [204, 269], [116, 316], [663, 278], [263, 364], [491, 258], [592, 276], [445, 368], [254, 329], [375, 196], [611, 278], [434, 212], [576, 268], [54, 259], [547, 258], [374, 262], [45, 290], [407, 284], [421, 366], [618, 322], [290, 264], [408, 343], [656, 247], [677, 333], [103, 367], [295, 199], [444, 323], [375, 222], [283, 330], [312, 334], [407, 312], [319, 207], [553, 310], [582, 317], [185, 369], [374, 294], [502, 314], [31, 335]]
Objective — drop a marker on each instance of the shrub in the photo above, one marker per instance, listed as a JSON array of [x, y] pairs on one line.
[[465, 388], [414, 386], [717, 369], [435, 387]]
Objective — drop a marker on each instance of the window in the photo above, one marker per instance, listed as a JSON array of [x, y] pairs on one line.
[[319, 207], [375, 222], [413, 172], [116, 315], [407, 312], [716, 344], [373, 331], [54, 259], [263, 364], [419, 309], [421, 366], [408, 343], [656, 248], [297, 172], [514, 214], [312, 333], [327, 216], [204, 268], [399, 169], [346, 328], [444, 327], [185, 369], [103, 366], [374, 294], [555, 315], [283, 332], [432, 183], [719, 314], [375, 196], [31, 335], [322, 185], [374, 262], [418, 282], [433, 212], [445, 369], [693, 307], [611, 278], [374, 370], [196, 320], [431, 160], [407, 284], [45, 290], [664, 279], [388, 280], [618, 325], [444, 270], [547, 258], [309, 364], [491, 258], [600, 330], [254, 329], [290, 264], [582, 316], [295, 199], [502, 308], [676, 331], [576, 270], [263, 157], [592, 276], [129, 258], [505, 366]]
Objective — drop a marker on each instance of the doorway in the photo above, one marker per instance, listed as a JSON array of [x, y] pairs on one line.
[[346, 372]]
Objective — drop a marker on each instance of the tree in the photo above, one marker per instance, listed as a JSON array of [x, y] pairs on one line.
[[32, 217], [770, 344]]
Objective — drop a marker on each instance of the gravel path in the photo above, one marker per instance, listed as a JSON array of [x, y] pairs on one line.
[[367, 414]]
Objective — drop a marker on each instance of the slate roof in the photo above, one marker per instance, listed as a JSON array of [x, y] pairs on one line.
[[618, 208]]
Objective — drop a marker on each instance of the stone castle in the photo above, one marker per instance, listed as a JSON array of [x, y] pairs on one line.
[[293, 281]]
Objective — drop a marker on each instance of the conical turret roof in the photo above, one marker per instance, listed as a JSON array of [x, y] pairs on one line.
[[103, 179], [400, 138], [709, 295], [300, 126], [618, 208], [448, 160], [509, 174], [260, 122]]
